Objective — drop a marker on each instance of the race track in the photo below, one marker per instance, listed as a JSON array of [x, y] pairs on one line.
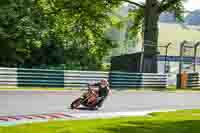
[[40, 102]]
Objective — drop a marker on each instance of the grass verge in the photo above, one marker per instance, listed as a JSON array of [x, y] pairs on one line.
[[171, 122]]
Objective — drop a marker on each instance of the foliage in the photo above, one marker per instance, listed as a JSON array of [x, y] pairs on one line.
[[42, 33], [49, 32], [21, 30], [85, 24], [137, 14]]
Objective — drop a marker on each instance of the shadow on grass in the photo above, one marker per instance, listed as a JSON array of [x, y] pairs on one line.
[[189, 126]]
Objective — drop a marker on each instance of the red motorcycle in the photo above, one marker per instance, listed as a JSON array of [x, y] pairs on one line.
[[88, 99]]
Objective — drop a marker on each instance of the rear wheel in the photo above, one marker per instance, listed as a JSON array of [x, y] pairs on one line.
[[75, 104]]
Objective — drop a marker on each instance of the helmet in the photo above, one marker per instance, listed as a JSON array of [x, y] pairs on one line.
[[104, 82]]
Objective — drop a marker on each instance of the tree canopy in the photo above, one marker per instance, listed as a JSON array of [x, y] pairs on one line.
[[35, 33], [146, 17]]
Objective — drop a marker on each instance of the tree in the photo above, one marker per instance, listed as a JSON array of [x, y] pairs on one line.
[[146, 16], [49, 32], [81, 26], [78, 27], [22, 26]]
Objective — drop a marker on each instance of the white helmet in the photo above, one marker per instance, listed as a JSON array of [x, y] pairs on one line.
[[104, 82]]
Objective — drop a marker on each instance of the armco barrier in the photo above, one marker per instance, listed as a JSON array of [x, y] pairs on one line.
[[138, 80], [8, 77], [193, 80], [78, 79], [40, 78]]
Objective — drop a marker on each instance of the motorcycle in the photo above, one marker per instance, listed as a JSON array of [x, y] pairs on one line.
[[88, 99]]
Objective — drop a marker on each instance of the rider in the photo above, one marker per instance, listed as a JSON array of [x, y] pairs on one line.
[[103, 90]]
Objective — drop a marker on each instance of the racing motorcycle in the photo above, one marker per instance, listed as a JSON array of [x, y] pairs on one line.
[[88, 99]]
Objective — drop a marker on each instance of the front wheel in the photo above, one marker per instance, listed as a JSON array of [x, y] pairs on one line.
[[75, 104]]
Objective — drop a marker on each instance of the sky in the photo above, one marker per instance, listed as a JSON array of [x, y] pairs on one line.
[[192, 5]]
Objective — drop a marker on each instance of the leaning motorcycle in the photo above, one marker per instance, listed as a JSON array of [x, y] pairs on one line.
[[87, 99]]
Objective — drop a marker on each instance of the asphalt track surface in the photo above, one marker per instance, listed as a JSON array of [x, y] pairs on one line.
[[40, 102]]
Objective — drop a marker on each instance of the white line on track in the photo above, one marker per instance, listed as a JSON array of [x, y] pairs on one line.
[[116, 114]]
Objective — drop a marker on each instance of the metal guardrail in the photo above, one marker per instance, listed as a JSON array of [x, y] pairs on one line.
[[193, 80], [137, 80], [8, 76], [78, 79]]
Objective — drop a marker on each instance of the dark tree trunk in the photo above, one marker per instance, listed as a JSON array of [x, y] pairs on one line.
[[151, 36]]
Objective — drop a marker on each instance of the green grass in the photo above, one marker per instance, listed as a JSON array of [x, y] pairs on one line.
[[172, 122]]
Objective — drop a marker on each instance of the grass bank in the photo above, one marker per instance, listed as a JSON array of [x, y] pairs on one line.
[[172, 122]]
